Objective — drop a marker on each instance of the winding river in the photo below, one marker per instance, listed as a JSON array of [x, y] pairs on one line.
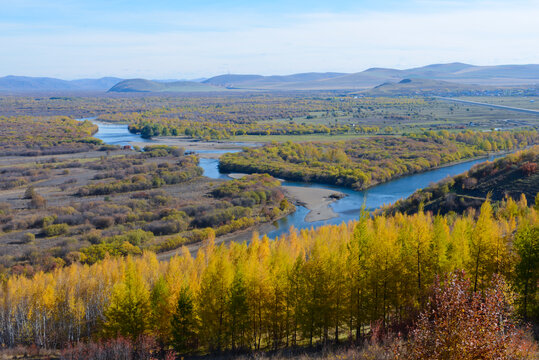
[[346, 208]]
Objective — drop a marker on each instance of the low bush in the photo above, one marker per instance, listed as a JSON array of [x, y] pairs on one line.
[[55, 229], [28, 238]]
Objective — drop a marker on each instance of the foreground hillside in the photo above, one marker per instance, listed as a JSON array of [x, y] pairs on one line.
[[335, 283], [513, 176]]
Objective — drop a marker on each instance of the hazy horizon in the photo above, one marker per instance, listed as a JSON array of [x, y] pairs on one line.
[[208, 77], [178, 40]]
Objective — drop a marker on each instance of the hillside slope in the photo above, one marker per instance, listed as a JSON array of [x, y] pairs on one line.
[[274, 82], [420, 87], [143, 85], [512, 175]]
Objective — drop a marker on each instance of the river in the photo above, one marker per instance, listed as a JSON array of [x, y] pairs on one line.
[[346, 208]]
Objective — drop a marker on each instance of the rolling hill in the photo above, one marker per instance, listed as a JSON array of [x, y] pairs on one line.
[[511, 175], [502, 75], [421, 87], [275, 82], [142, 85]]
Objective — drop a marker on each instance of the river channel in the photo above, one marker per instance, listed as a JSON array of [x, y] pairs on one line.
[[347, 208]]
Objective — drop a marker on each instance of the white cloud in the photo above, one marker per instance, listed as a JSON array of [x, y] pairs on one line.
[[202, 45]]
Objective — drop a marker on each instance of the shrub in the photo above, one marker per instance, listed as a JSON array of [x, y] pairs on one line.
[[30, 192], [38, 202], [97, 252], [134, 237], [28, 238], [465, 325], [75, 257], [469, 183], [166, 227], [55, 229], [103, 222], [71, 219], [529, 168], [169, 244]]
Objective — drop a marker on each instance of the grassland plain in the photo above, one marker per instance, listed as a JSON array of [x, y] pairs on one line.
[[346, 116], [233, 116]]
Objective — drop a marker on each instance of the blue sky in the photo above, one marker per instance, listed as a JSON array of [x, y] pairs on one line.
[[201, 38]]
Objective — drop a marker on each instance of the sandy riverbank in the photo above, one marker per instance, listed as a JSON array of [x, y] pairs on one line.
[[236, 175], [315, 199]]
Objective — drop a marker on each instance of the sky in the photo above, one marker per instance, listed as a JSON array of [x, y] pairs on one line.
[[160, 39]]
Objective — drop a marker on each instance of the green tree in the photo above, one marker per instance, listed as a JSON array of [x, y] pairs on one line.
[[483, 243], [159, 300], [128, 313], [239, 311], [213, 299], [527, 269], [183, 322], [358, 251]]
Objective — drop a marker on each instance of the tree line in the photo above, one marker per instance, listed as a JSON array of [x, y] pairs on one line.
[[364, 162]]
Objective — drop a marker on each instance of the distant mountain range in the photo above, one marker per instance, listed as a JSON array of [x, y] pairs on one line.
[[502, 75], [29, 84], [452, 76]]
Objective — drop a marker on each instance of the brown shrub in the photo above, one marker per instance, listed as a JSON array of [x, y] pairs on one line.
[[529, 168], [102, 222], [459, 324], [38, 202]]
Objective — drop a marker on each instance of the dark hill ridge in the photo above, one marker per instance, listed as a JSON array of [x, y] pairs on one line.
[[142, 85], [230, 79], [512, 175], [275, 82]]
